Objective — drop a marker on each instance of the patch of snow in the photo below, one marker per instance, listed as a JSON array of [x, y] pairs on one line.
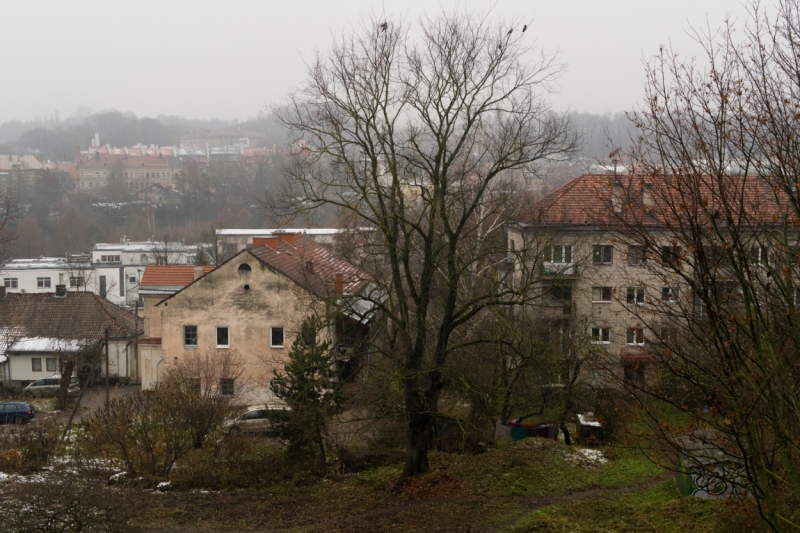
[[116, 477], [588, 420], [164, 485], [595, 456]]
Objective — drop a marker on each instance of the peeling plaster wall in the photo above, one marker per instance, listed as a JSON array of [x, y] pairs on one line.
[[220, 299]]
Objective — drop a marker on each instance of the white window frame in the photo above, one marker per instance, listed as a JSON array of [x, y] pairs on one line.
[[601, 298], [601, 335], [271, 336], [670, 294], [637, 293], [216, 337], [637, 339], [43, 283], [564, 250], [11, 283], [598, 252]]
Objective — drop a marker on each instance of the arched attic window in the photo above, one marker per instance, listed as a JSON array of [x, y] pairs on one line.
[[244, 269]]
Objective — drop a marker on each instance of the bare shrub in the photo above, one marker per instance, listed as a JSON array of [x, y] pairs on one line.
[[150, 430], [28, 447], [64, 504]]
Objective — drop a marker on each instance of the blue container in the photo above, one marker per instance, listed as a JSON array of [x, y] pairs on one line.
[[518, 433]]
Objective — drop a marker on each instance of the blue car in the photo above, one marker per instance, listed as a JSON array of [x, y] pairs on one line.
[[16, 412]]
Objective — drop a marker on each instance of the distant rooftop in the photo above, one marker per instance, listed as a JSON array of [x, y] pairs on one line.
[[56, 263], [170, 275], [20, 162], [139, 246], [274, 231]]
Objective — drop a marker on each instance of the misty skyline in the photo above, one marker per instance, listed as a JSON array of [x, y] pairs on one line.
[[232, 60]]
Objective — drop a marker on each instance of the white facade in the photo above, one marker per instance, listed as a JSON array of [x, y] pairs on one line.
[[44, 273]]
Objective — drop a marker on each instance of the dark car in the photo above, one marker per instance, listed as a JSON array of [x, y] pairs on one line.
[[16, 412]]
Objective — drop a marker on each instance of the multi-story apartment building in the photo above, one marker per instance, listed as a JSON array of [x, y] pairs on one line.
[[128, 168], [611, 264], [18, 172]]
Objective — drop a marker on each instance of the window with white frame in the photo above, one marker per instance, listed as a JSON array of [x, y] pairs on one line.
[[601, 335], [636, 255], [558, 254], [601, 294], [635, 296], [634, 337], [77, 281], [759, 255], [223, 337], [42, 283], [670, 294], [11, 283], [603, 254], [276, 337]]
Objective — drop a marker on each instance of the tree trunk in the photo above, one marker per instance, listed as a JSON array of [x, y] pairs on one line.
[[419, 434], [563, 427], [66, 374]]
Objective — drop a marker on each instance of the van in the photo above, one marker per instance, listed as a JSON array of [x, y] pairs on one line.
[[49, 386]]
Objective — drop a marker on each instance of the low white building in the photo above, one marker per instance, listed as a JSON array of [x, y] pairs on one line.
[[44, 273], [118, 267], [39, 332]]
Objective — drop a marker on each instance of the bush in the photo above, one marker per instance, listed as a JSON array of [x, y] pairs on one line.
[[150, 430], [28, 447], [237, 462]]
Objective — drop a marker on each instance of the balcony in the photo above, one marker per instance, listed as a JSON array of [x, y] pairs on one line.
[[550, 268]]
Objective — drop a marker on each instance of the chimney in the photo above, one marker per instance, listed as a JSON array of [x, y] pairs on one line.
[[338, 284], [288, 238], [272, 242], [61, 291], [198, 271]]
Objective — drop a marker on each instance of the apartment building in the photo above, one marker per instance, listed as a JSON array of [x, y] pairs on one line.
[[129, 168], [611, 264], [18, 172]]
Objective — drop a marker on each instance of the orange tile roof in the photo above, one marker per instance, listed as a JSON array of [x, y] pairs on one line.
[[589, 201], [170, 275]]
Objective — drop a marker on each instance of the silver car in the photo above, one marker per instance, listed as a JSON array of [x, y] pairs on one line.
[[49, 386], [254, 420]]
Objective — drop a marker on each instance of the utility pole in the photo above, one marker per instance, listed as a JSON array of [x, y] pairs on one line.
[[108, 390]]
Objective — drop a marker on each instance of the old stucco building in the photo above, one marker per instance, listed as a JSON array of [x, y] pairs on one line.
[[253, 305]]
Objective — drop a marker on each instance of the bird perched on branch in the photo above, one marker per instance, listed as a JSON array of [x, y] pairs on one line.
[[509, 31], [384, 26], [525, 27]]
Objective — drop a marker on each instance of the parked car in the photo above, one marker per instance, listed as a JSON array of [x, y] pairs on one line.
[[16, 412], [254, 420], [49, 386]]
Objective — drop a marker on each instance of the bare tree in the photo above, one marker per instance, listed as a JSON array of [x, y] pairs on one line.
[[411, 140], [715, 208]]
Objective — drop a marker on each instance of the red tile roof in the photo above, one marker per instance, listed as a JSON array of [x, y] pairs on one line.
[[170, 275], [312, 266], [593, 200]]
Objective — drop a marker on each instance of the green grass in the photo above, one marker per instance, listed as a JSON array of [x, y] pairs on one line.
[[657, 509]]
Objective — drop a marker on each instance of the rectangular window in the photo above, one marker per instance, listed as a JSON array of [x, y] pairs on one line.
[[634, 337], [601, 294], [601, 335], [223, 337], [633, 373], [670, 255], [603, 254], [51, 364], [636, 255], [10, 283], [190, 336], [759, 255], [36, 364], [699, 307], [559, 294], [276, 337], [635, 296], [668, 335], [558, 254], [670, 294], [76, 281], [132, 279], [227, 386], [43, 283]]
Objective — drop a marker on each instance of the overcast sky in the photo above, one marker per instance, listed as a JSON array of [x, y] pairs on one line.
[[203, 59]]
